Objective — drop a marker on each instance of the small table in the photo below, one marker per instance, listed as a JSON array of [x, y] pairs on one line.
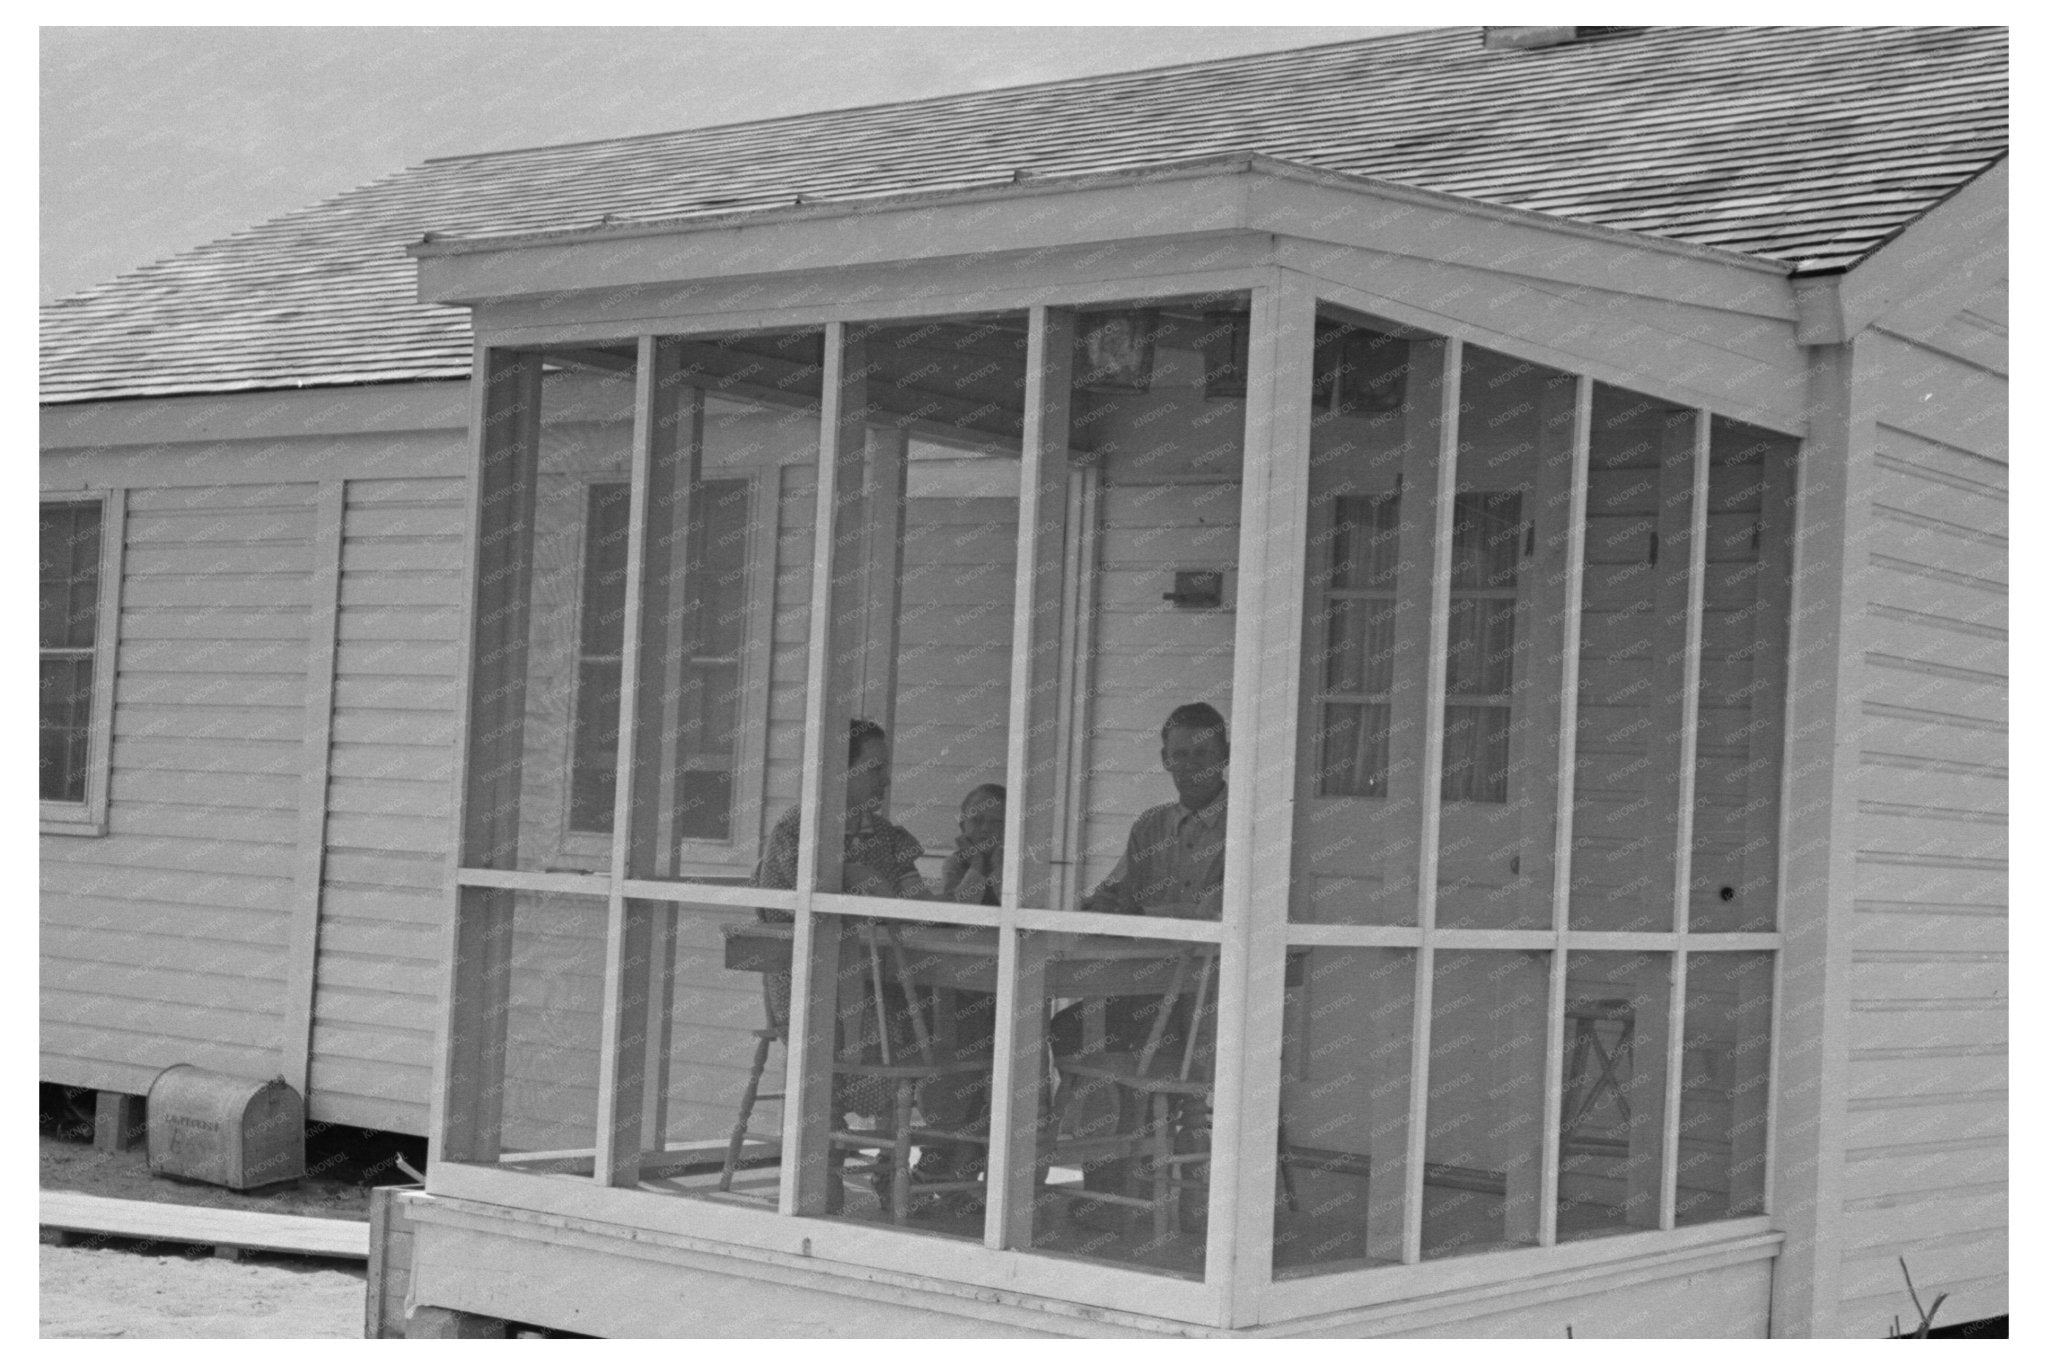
[[963, 958]]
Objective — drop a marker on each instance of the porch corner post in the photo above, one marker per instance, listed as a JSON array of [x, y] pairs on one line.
[[1265, 705], [1824, 691]]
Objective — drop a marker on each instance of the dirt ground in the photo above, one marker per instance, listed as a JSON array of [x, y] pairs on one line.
[[111, 1292], [73, 1165], [139, 1289]]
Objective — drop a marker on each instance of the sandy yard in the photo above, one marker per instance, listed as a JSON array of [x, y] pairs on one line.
[[106, 1292], [135, 1289]]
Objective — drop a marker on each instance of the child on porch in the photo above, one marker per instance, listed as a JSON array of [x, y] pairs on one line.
[[972, 874]]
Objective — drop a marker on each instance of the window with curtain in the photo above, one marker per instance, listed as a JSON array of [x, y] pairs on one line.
[[68, 627]]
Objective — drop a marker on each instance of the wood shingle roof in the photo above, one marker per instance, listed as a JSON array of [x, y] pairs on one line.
[[1804, 147]]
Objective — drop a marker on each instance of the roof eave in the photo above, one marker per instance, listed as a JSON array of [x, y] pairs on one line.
[[1941, 251], [1023, 186]]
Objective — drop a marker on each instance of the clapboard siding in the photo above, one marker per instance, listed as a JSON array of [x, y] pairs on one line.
[[172, 939], [208, 721], [164, 941], [1929, 1071], [1901, 1025], [361, 1093], [1898, 1170], [250, 1028], [264, 827], [85, 1052], [1976, 335], [1906, 926], [215, 757], [389, 795], [79, 946], [1925, 1132]]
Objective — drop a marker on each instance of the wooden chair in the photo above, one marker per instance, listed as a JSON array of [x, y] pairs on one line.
[[1595, 1067], [766, 1039], [1163, 1090], [888, 1088]]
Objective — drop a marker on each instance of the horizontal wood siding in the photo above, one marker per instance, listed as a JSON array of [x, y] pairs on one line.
[[165, 940], [388, 794], [1925, 1138]]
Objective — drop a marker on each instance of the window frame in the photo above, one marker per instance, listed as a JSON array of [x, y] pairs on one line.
[[710, 857], [88, 818]]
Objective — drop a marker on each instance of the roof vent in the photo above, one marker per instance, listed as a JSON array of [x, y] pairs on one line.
[[1499, 39]]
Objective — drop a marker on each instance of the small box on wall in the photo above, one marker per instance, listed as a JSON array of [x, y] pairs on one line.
[[1196, 589]]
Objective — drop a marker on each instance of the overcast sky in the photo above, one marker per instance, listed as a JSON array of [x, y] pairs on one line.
[[155, 140]]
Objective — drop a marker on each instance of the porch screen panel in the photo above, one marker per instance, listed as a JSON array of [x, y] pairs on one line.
[[1632, 664], [713, 986], [1129, 734], [1503, 664], [1483, 1117], [1371, 428], [925, 590], [551, 557], [724, 604], [1122, 1170], [1344, 1108], [1158, 424], [1743, 639], [1726, 1077], [524, 1033], [920, 621], [1615, 1075], [717, 754]]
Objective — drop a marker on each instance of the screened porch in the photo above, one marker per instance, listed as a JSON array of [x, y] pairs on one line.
[[746, 950]]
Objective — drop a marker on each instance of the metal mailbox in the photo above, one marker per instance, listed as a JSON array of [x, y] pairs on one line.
[[225, 1130]]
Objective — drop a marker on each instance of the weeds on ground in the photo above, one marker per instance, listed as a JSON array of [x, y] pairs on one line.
[[1926, 1314]]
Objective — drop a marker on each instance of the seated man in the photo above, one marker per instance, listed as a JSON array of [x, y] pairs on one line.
[[1173, 860], [880, 858], [1172, 865]]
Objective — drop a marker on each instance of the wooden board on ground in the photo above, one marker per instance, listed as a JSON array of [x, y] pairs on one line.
[[239, 1229]]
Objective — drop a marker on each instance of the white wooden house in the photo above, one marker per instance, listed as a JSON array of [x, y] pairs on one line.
[[1572, 460]]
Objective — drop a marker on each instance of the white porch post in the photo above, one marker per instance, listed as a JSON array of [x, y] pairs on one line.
[[1266, 708]]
